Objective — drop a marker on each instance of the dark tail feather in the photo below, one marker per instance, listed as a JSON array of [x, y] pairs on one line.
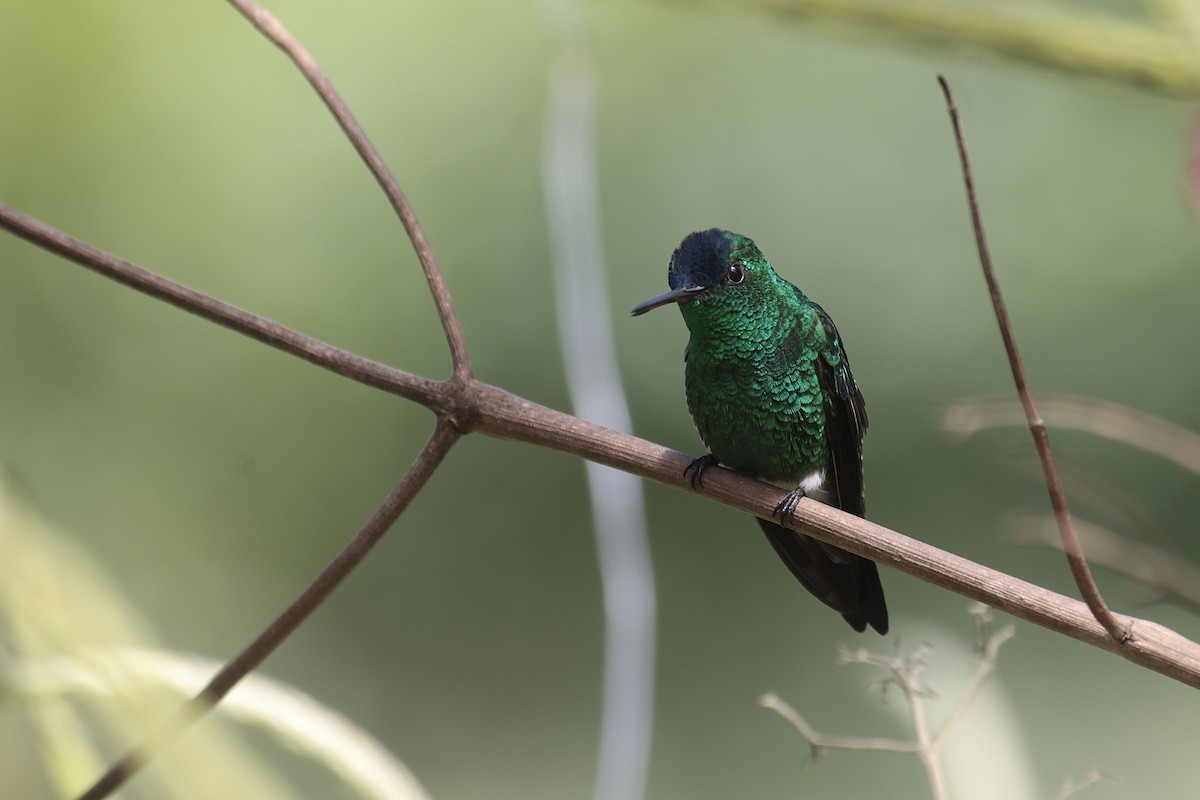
[[847, 583]]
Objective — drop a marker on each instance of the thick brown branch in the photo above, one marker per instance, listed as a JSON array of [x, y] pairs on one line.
[[506, 416], [273, 29], [490, 410], [444, 437], [1119, 629]]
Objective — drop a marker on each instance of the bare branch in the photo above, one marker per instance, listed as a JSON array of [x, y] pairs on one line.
[[821, 741], [273, 29], [495, 412], [904, 672], [422, 390], [1119, 629], [990, 643], [444, 437]]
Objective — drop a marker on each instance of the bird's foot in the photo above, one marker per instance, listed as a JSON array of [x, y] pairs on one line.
[[696, 469], [786, 510]]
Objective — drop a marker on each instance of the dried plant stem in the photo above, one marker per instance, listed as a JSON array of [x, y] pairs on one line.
[[269, 26], [1119, 629], [273, 635], [824, 741], [904, 672], [927, 747], [987, 665], [341, 362]]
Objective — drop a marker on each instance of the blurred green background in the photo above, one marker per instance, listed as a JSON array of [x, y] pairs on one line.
[[213, 477]]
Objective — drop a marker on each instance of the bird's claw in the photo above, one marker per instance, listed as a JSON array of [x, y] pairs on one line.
[[696, 469], [786, 510]]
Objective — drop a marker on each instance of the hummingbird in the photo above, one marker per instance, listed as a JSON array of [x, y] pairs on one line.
[[770, 390]]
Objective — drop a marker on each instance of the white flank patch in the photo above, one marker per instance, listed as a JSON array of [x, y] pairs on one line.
[[811, 482]]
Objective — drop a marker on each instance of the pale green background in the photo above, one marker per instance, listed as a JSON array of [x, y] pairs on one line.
[[214, 476]]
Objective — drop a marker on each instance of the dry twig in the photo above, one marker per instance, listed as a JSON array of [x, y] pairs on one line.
[[1121, 630], [265, 643], [904, 672]]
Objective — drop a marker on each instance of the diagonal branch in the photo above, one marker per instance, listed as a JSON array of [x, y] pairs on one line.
[[281, 337], [269, 26], [476, 406], [444, 437], [1119, 630]]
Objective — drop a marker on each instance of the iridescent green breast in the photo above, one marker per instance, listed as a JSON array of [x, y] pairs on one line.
[[756, 398]]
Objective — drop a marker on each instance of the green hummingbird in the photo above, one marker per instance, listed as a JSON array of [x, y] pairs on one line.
[[770, 390]]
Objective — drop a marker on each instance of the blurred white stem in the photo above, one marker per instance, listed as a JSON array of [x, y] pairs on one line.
[[324, 735], [594, 383]]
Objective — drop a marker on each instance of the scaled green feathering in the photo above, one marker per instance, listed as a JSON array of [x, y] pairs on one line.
[[770, 390]]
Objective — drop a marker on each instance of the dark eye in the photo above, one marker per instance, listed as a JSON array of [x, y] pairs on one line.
[[737, 273]]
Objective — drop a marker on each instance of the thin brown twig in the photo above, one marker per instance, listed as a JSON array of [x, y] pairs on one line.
[[445, 434], [444, 437], [1120, 630], [270, 26], [281, 337]]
